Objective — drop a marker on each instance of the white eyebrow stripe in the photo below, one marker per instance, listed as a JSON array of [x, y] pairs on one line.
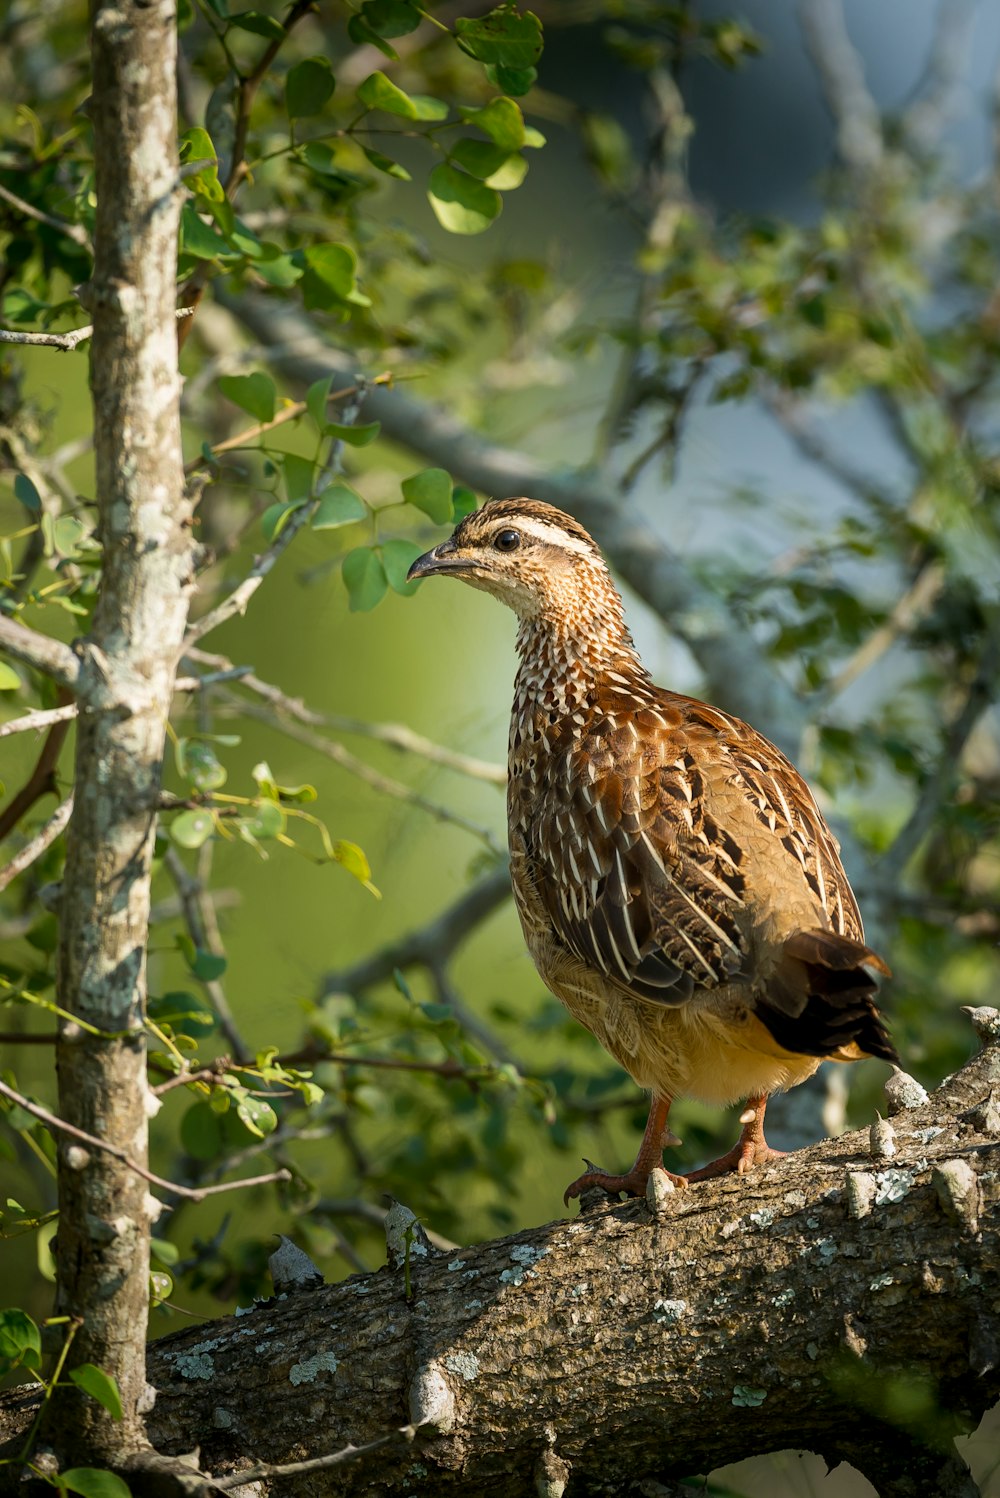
[[553, 535]]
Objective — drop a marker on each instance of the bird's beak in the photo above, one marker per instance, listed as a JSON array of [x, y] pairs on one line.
[[443, 558]]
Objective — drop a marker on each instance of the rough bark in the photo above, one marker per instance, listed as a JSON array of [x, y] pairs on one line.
[[125, 685], [836, 1301]]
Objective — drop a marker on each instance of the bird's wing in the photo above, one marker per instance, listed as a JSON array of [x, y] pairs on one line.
[[643, 852]]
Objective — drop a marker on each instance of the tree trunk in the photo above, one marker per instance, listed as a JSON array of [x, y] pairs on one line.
[[128, 663], [836, 1301]]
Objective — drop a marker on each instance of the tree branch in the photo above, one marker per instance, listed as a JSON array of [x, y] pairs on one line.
[[76, 232], [43, 838], [39, 651], [42, 780], [738, 673], [841, 74], [680, 1334], [190, 1193]]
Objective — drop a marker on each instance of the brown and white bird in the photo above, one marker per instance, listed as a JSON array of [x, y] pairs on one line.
[[678, 888]]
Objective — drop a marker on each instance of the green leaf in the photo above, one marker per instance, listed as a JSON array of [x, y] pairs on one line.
[[462, 205], [353, 859], [308, 85], [510, 175], [67, 533], [253, 393], [25, 491], [514, 81], [200, 239], [19, 1337], [93, 1483], [502, 37], [259, 24], [379, 92], [317, 398], [430, 490], [266, 820], [191, 829], [364, 578], [397, 556], [480, 158], [202, 1131], [202, 767], [386, 164], [257, 1115], [299, 475], [9, 679], [533, 137], [390, 17], [182, 1012], [501, 120], [463, 501], [330, 276], [353, 435], [100, 1386], [197, 145], [362, 35], [275, 517], [338, 505]]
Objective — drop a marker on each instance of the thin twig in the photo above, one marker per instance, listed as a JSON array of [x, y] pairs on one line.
[[42, 780], [890, 867], [64, 341], [397, 735], [384, 784], [43, 838], [195, 1194], [841, 75], [40, 718], [195, 906], [76, 232], [913, 605], [39, 651], [313, 1464]]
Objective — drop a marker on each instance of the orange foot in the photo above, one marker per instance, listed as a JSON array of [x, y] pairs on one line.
[[751, 1150], [633, 1182]]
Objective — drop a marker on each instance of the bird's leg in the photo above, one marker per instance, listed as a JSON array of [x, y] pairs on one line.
[[655, 1138], [751, 1149]]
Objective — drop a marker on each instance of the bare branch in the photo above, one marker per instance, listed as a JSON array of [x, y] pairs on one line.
[[739, 674], [841, 75], [928, 112], [913, 605], [76, 232], [43, 838], [39, 651], [314, 1464], [935, 789], [65, 341], [199, 918], [190, 1193], [384, 784], [40, 718], [398, 735], [429, 946]]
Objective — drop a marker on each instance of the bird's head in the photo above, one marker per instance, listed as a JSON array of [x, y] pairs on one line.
[[534, 558]]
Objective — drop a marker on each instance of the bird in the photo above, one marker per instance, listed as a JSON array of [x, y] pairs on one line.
[[678, 888]]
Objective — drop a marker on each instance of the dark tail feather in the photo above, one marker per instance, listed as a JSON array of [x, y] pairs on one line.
[[820, 1000]]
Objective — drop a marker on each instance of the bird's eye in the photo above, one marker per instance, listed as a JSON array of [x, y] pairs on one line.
[[507, 540]]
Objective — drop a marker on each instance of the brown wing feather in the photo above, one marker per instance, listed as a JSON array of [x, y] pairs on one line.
[[640, 847]]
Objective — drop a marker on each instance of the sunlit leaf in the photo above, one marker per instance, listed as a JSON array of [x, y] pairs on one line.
[[192, 828], [502, 36], [338, 505], [267, 820], [9, 679], [100, 1386], [386, 164], [397, 558], [461, 204], [501, 120], [257, 1115]]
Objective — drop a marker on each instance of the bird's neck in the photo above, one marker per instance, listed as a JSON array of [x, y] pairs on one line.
[[563, 663]]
